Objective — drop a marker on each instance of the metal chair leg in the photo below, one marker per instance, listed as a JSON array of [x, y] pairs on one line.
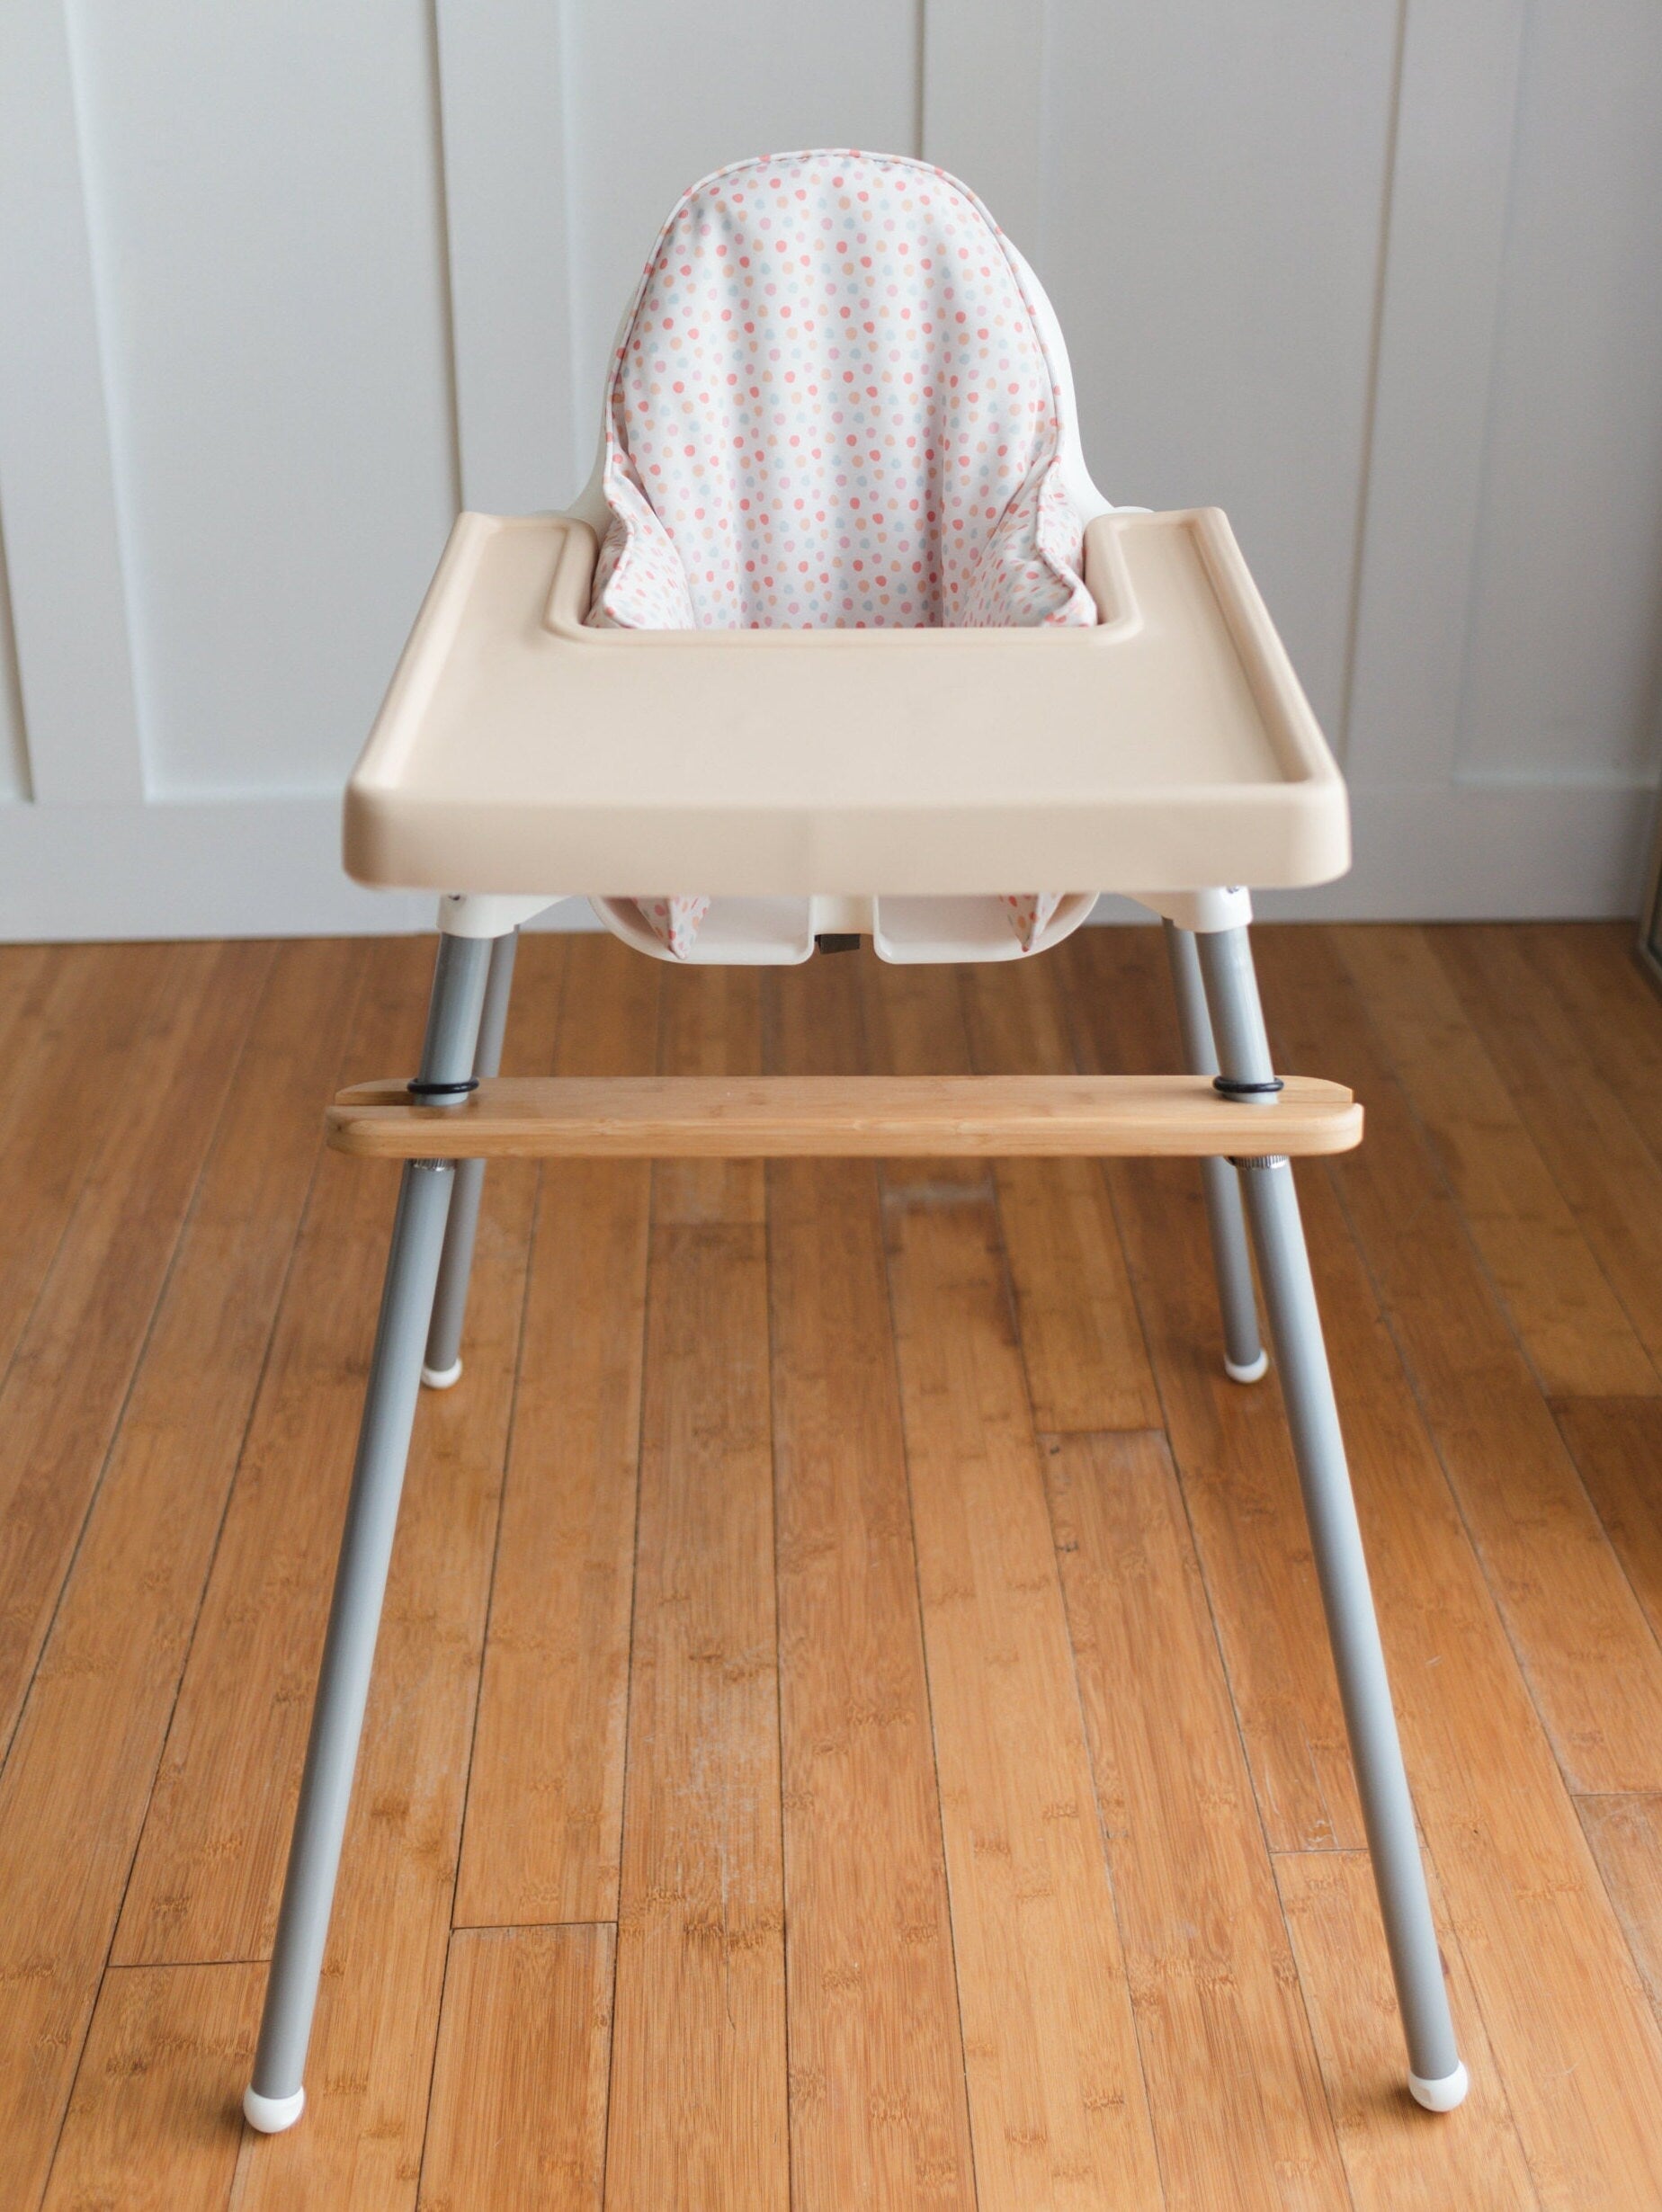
[[275, 2098], [1245, 1358], [442, 1366], [1437, 2077]]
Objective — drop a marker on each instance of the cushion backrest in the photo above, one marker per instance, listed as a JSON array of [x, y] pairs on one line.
[[832, 407]]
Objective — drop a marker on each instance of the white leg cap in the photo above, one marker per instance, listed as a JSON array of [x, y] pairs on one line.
[[1256, 1372], [272, 2115], [1440, 2096], [441, 1377]]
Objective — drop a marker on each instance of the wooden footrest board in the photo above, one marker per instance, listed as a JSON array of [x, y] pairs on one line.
[[771, 1117]]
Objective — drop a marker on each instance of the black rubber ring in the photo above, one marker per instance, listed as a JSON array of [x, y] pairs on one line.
[[418, 1089], [1232, 1086]]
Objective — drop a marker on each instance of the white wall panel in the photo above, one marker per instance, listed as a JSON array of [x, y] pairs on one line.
[[13, 749], [282, 280], [503, 86], [659, 93], [69, 583], [1565, 651], [265, 212], [1434, 371], [1214, 179]]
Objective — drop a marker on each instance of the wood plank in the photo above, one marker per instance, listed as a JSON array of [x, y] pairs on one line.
[[860, 1116], [205, 1881], [1398, 2158], [64, 1394], [27, 974], [156, 2123], [519, 2087], [1230, 1442], [711, 1028], [1058, 2107], [1587, 1650], [1574, 2041], [878, 2114], [1626, 1837], [1617, 1445], [1082, 1342], [75, 1789], [1211, 1967], [369, 2070], [1592, 972], [698, 2108], [545, 1798], [1567, 1317], [67, 1079], [1610, 1178]]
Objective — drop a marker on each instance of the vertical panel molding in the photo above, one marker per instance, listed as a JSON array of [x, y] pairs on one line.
[[502, 96], [62, 545], [1440, 300]]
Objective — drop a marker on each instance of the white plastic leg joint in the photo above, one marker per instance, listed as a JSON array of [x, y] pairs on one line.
[[1229, 908], [1444, 2095], [441, 1377], [488, 913], [272, 2115]]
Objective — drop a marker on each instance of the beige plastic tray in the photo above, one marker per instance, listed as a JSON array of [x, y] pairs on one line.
[[1169, 748]]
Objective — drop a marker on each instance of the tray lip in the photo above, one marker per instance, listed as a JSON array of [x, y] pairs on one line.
[[393, 827], [1105, 575]]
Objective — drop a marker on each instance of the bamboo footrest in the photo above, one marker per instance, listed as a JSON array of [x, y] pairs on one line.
[[771, 1117]]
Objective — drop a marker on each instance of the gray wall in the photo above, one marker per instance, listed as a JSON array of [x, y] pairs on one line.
[[281, 283]]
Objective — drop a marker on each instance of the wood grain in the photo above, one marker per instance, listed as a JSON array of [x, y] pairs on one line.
[[156, 2125], [1626, 1837], [1610, 1178], [545, 1797], [1617, 1445], [369, 2068], [1567, 1317], [820, 1117], [27, 974], [1592, 1662], [798, 2020], [74, 1788], [1058, 2106], [698, 2110], [1536, 1929], [1206, 1952], [80, 1039], [1082, 1342], [519, 2087], [1594, 976], [208, 1869], [76, 1358], [878, 2115], [1230, 1442], [1396, 2158]]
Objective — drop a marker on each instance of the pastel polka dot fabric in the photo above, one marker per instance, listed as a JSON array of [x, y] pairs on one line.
[[832, 407]]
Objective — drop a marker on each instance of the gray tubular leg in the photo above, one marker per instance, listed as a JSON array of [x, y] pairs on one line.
[[275, 2098], [442, 1364], [1436, 2076], [1244, 1355]]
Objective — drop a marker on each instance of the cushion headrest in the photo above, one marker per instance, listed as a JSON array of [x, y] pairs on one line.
[[833, 407]]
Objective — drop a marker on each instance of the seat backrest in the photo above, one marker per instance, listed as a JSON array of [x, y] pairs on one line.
[[834, 405]]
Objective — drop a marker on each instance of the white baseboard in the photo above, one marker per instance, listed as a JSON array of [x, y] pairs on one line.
[[271, 867]]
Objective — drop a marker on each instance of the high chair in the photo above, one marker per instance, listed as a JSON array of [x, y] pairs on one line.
[[841, 640]]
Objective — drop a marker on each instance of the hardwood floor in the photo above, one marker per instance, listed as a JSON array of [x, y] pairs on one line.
[[852, 1724]]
